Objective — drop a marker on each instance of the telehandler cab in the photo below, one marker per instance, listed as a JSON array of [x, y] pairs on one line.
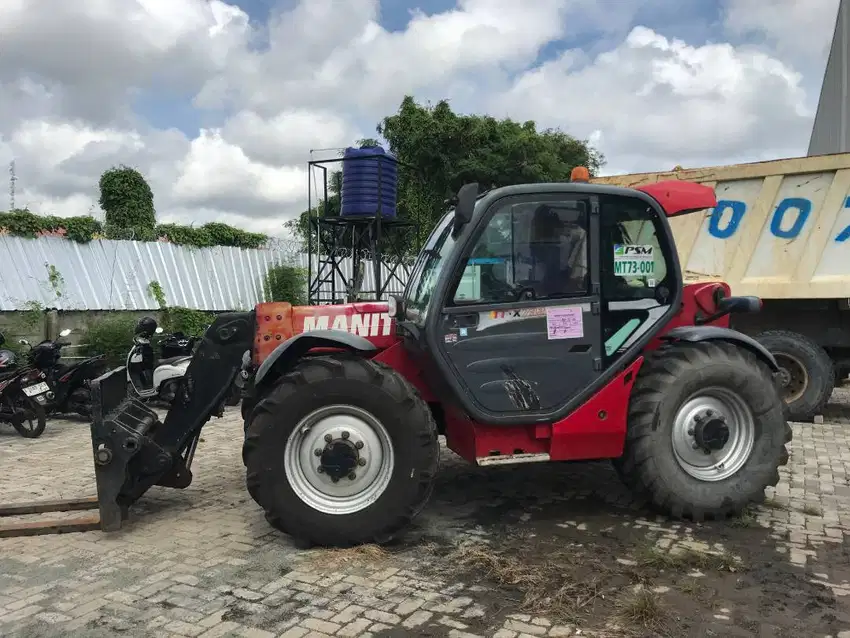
[[541, 322]]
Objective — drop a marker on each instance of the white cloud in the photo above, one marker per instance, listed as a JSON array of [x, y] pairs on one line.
[[653, 103], [215, 171], [801, 29], [322, 73]]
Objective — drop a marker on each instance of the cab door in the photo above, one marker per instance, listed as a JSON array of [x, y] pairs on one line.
[[519, 330]]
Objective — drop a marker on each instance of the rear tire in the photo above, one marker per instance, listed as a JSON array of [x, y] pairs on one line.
[[35, 425], [679, 383], [806, 372], [381, 433]]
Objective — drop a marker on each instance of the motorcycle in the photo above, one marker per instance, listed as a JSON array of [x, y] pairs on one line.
[[23, 397], [70, 391], [178, 344], [149, 379]]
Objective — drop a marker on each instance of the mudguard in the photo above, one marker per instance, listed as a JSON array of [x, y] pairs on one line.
[[695, 334], [295, 347]]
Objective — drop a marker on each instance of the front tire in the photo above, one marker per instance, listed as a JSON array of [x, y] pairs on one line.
[[706, 432], [341, 451]]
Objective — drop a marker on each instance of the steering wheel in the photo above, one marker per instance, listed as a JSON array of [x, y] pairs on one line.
[[526, 293]]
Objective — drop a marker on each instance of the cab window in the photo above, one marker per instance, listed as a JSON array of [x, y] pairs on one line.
[[528, 250], [633, 261], [636, 282]]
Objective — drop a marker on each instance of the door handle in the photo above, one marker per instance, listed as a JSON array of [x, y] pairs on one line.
[[469, 320]]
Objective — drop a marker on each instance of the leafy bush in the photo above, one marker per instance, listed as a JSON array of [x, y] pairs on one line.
[[111, 336], [127, 200], [286, 283], [23, 223], [186, 320]]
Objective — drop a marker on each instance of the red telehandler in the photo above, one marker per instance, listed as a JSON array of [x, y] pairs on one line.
[[541, 322]]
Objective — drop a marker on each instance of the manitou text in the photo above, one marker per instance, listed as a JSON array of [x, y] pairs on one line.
[[373, 324]]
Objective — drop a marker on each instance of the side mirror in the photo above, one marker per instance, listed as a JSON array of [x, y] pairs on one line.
[[466, 197], [748, 304], [65, 332], [158, 330]]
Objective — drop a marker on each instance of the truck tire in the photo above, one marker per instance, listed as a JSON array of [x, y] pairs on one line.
[[341, 451], [806, 372], [689, 398]]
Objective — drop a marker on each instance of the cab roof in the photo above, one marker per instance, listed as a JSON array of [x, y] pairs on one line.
[[674, 197]]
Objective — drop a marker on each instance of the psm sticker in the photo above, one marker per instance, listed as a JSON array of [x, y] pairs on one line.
[[634, 260]]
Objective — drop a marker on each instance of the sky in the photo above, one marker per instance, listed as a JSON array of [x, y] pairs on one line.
[[219, 103]]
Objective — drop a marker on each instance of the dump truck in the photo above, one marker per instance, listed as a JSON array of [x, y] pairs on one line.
[[541, 323], [780, 231]]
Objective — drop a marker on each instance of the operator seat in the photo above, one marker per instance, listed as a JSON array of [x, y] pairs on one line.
[[559, 250]]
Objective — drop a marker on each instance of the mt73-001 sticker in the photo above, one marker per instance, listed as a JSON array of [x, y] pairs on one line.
[[633, 261]]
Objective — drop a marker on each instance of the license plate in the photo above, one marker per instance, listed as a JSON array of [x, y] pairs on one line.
[[38, 388]]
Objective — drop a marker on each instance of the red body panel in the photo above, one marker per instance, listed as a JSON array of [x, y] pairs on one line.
[[278, 321], [595, 430], [679, 197]]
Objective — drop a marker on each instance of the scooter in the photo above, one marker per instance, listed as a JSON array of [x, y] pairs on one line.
[[150, 379], [177, 344], [69, 384], [22, 396]]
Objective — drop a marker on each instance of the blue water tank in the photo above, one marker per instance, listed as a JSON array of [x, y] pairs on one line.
[[360, 183]]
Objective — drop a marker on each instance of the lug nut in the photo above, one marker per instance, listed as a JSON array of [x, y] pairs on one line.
[[335, 479], [709, 412], [361, 462], [698, 418], [706, 451], [317, 452], [696, 446], [690, 431], [345, 434], [722, 418], [352, 476], [359, 445], [328, 438], [320, 470]]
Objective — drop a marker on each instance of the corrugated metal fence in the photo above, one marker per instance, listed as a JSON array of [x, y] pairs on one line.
[[115, 275]]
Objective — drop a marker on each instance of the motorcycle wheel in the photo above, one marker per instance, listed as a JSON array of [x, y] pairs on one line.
[[34, 418]]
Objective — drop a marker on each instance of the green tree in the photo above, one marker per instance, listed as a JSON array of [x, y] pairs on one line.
[[448, 150], [127, 200], [286, 283], [441, 150]]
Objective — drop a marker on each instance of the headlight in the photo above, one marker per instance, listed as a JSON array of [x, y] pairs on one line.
[[392, 306]]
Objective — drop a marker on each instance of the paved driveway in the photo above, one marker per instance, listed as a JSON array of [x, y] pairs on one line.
[[551, 550]]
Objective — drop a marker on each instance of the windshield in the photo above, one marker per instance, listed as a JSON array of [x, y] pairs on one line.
[[427, 269]]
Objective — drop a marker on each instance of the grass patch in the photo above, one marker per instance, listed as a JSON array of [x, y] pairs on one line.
[[643, 609], [335, 558], [773, 504], [812, 510], [681, 560], [547, 588], [746, 519], [693, 588]]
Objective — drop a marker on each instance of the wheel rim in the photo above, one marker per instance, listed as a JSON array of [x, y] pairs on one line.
[[713, 434], [793, 377], [339, 459]]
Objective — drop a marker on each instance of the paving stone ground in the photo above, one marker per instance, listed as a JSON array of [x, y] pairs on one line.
[[554, 550]]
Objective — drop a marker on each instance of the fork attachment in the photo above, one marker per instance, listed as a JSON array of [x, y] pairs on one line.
[[133, 450]]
